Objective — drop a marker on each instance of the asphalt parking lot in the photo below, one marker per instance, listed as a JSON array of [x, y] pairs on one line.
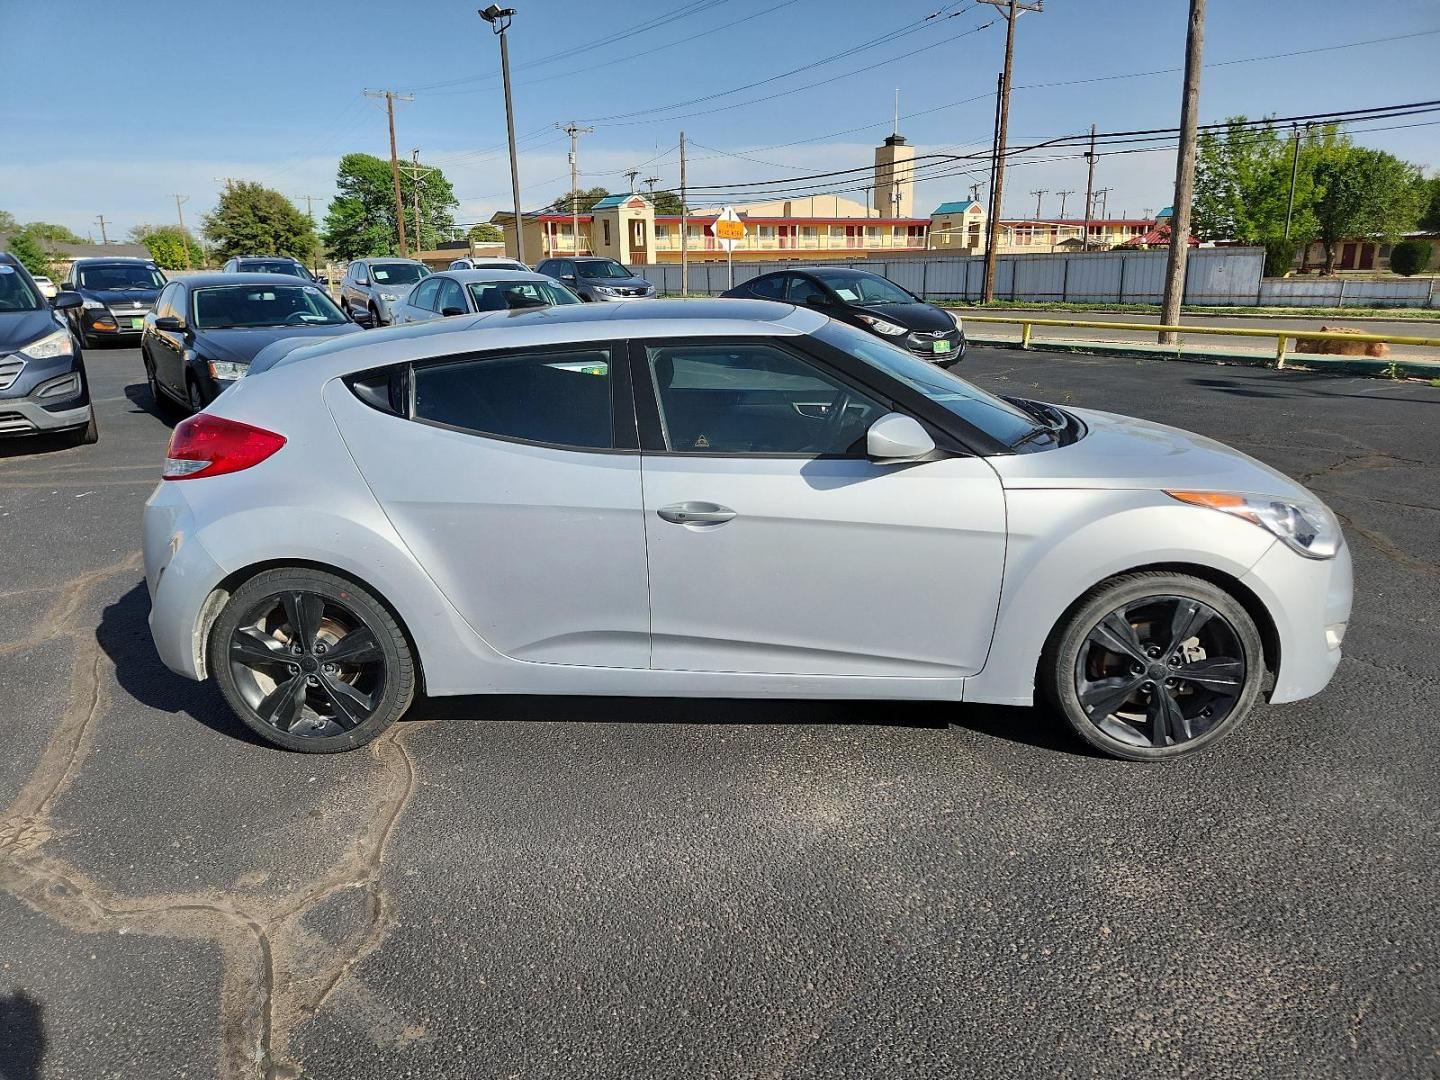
[[603, 888]]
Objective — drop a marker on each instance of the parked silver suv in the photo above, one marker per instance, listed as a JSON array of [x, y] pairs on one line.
[[597, 279], [370, 286]]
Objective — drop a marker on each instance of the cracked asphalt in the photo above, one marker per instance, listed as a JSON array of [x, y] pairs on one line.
[[568, 887]]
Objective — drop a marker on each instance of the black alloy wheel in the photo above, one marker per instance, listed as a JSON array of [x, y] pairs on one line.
[[1155, 665], [310, 661]]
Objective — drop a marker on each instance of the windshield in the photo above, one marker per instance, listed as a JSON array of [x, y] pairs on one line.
[[864, 289], [397, 273], [275, 266], [119, 277], [602, 268], [1000, 420], [263, 305], [513, 295], [15, 292]]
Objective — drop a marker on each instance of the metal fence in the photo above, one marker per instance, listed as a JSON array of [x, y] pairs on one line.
[[1218, 276]]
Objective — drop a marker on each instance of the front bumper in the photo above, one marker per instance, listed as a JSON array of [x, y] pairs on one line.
[[923, 346], [610, 298], [104, 322], [1309, 601], [25, 417]]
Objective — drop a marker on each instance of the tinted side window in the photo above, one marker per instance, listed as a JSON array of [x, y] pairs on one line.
[[560, 397], [802, 289], [165, 302], [755, 398], [771, 287], [451, 296], [547, 268], [424, 295]]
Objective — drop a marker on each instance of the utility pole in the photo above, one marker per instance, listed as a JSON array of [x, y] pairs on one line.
[[684, 227], [631, 174], [104, 236], [1103, 194], [1064, 198], [1090, 188], [650, 182], [310, 213], [415, 170], [975, 191], [499, 19], [991, 230], [1184, 174], [1038, 196], [574, 130], [185, 240], [1012, 10], [390, 98]]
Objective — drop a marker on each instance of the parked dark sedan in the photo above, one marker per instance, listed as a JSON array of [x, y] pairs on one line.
[[117, 294], [43, 387], [206, 329], [868, 301], [268, 264]]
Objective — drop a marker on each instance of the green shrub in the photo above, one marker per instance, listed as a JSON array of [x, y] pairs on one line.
[[1409, 257], [31, 255], [1279, 256]]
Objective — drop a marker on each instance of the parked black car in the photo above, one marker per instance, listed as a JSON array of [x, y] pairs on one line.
[[868, 301], [267, 264], [206, 329], [117, 294], [43, 387], [597, 280]]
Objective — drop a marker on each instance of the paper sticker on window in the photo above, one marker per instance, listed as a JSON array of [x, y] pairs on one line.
[[6, 269]]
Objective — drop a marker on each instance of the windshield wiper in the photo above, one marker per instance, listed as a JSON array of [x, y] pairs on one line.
[[1033, 434]]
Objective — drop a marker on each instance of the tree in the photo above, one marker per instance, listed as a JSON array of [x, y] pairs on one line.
[[169, 247], [1430, 215], [485, 233], [1364, 193], [251, 219], [8, 222], [1409, 257], [584, 200], [666, 202], [31, 255], [46, 234], [361, 219]]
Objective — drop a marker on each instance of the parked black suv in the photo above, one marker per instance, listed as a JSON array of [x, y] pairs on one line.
[[117, 294], [43, 387]]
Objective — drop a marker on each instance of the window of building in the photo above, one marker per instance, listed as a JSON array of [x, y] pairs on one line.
[[755, 398], [559, 397], [605, 228]]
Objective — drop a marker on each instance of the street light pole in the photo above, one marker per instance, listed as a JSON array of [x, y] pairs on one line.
[[499, 20]]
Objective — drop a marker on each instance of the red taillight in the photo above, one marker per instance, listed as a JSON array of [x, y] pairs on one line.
[[206, 445]]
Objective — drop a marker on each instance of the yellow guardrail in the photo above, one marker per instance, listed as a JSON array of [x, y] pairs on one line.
[[1281, 336]]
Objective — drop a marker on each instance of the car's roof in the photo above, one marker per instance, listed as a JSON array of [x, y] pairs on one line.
[[494, 273], [266, 258], [554, 325], [388, 259], [201, 280], [87, 260], [843, 271]]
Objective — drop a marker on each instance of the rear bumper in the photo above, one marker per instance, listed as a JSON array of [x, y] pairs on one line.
[[181, 576], [1309, 601]]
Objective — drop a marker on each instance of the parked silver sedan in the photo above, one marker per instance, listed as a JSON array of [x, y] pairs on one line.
[[719, 498], [473, 292]]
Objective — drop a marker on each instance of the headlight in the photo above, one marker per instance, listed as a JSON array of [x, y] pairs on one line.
[[883, 327], [389, 298], [603, 288], [93, 305], [225, 371], [1306, 527], [50, 346]]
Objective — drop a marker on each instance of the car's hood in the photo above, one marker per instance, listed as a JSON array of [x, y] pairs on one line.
[[241, 344], [20, 328], [910, 316], [1123, 452], [122, 298]]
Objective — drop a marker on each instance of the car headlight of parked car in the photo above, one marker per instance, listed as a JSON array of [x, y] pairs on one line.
[[50, 346], [1306, 527], [388, 297], [880, 326], [93, 305], [226, 371]]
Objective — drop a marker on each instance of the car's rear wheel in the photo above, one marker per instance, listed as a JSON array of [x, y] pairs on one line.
[[1154, 665], [310, 661]]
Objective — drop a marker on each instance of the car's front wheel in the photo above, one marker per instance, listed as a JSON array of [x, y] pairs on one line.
[[1153, 665], [310, 661]]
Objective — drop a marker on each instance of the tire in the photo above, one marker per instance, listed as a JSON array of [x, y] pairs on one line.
[[88, 435], [1115, 670], [194, 396], [375, 322], [293, 699]]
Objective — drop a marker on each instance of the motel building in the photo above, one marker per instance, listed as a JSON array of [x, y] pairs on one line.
[[815, 227]]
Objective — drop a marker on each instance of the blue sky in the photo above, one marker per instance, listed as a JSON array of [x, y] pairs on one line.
[[111, 108]]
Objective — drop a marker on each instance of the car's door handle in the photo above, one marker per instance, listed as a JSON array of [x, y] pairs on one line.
[[696, 513]]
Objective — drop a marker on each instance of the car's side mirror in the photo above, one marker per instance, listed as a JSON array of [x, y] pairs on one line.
[[169, 323], [362, 281], [896, 438], [65, 300], [568, 278], [448, 311]]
